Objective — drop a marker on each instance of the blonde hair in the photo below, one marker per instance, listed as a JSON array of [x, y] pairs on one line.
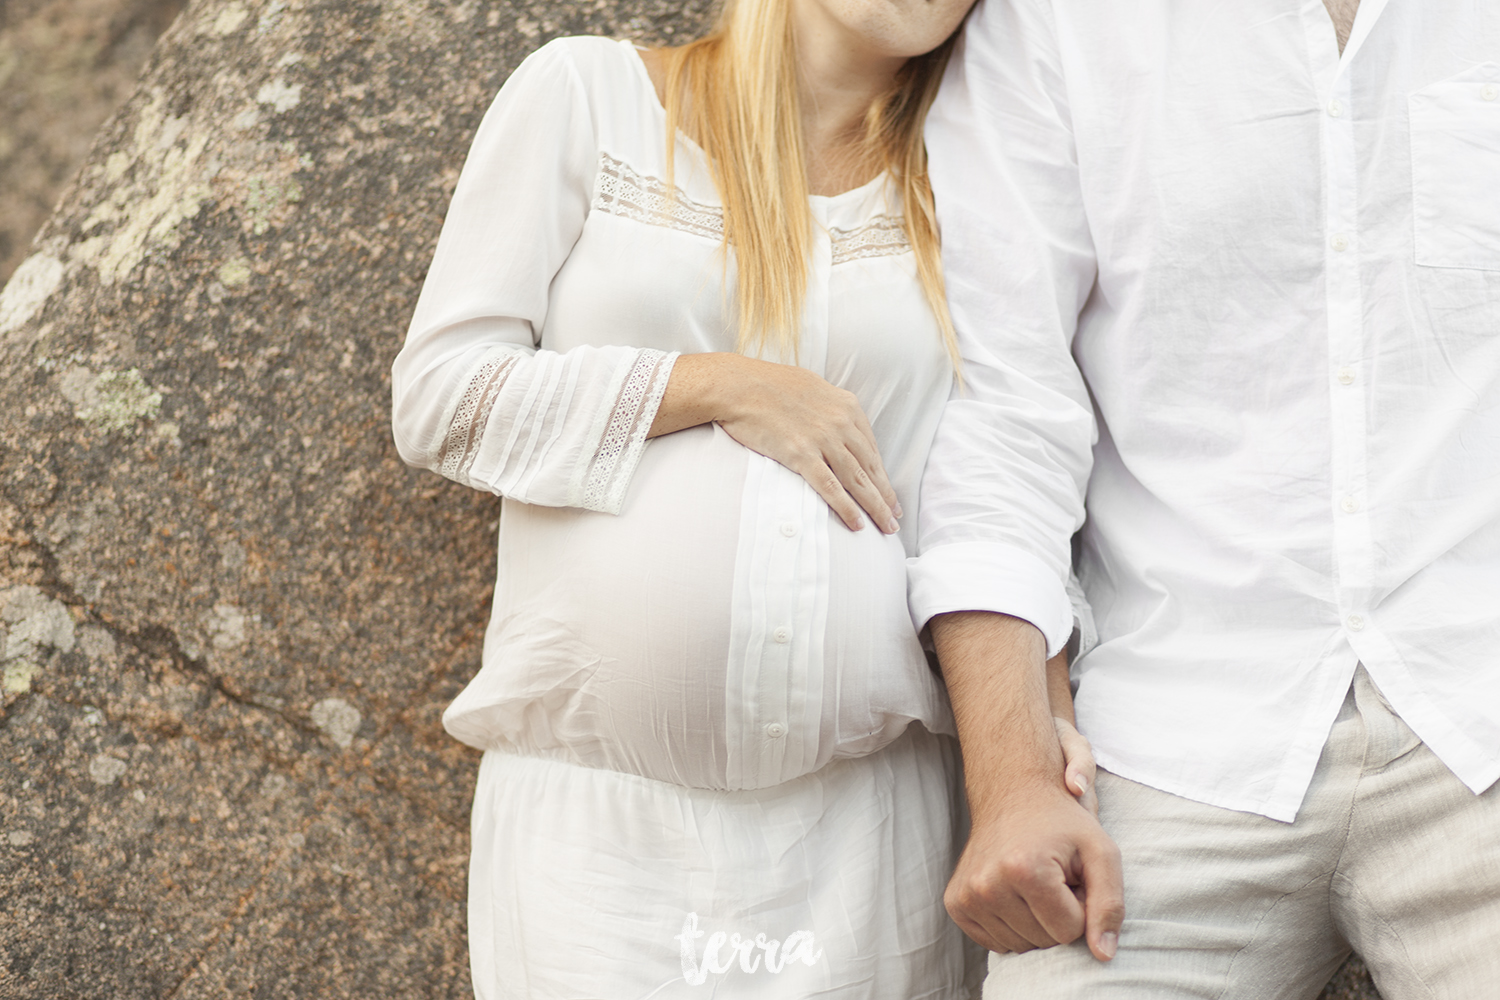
[[735, 92]]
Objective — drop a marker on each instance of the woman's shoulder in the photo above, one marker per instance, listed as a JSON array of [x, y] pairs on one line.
[[597, 61]]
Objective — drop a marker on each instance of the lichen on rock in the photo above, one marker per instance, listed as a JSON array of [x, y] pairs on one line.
[[112, 401], [31, 626], [336, 719], [161, 181], [28, 290], [18, 674], [106, 770], [33, 620]]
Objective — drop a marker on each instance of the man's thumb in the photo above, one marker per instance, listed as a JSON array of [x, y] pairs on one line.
[[1104, 896]]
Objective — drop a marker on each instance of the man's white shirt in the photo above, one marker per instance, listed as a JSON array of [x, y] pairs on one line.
[[1247, 292]]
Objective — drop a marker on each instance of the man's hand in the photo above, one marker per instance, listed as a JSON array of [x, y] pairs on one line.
[[1038, 869], [1042, 872]]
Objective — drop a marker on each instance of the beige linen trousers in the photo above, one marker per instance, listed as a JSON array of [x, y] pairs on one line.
[[1390, 854]]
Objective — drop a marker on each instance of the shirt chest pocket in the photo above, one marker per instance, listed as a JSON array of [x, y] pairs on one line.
[[1455, 170]]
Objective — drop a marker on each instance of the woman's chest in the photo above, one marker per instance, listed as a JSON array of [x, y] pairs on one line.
[[650, 269]]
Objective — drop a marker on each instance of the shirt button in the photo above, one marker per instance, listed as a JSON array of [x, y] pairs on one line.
[[1335, 109], [775, 730], [1346, 376], [1489, 92], [1349, 505], [788, 529], [1356, 622], [782, 634], [1340, 242]]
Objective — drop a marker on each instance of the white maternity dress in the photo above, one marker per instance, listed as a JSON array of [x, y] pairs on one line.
[[717, 762]]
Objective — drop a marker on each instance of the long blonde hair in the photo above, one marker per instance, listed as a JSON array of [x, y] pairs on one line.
[[735, 92]]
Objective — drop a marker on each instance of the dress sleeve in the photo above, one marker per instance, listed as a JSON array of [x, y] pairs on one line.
[[1002, 493], [474, 397]]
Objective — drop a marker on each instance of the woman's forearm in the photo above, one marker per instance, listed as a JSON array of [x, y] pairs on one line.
[[469, 413], [1060, 688], [792, 416], [697, 393]]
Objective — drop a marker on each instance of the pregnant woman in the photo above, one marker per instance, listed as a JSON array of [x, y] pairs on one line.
[[686, 317]]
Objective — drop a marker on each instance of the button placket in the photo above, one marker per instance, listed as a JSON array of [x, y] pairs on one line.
[[760, 675], [1346, 336], [773, 702]]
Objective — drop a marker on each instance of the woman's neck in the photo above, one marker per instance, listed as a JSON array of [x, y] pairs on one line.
[[840, 78]]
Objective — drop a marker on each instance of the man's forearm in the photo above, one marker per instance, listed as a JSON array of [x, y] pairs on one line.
[[1003, 701], [1038, 869]]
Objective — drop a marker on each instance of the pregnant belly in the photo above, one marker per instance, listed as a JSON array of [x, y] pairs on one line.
[[648, 642]]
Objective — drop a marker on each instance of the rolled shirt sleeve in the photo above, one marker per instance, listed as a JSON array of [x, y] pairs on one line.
[[1003, 490], [474, 397]]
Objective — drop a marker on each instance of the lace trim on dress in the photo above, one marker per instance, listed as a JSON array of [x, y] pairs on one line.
[[621, 191], [471, 412], [882, 236], [625, 435]]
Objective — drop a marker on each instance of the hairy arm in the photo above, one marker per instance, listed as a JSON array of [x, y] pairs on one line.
[[1038, 869]]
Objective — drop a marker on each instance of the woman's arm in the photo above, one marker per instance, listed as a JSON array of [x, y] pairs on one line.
[[473, 397], [475, 400], [1079, 768], [791, 416]]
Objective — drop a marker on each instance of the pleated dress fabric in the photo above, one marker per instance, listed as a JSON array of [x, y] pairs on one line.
[[717, 761]]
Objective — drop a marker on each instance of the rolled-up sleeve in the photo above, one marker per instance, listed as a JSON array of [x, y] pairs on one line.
[[1003, 490], [474, 396]]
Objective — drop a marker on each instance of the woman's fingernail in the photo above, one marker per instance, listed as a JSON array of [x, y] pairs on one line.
[[1081, 783], [1109, 942], [891, 527], [896, 510]]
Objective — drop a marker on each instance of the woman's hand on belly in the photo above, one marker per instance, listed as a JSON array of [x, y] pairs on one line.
[[793, 417]]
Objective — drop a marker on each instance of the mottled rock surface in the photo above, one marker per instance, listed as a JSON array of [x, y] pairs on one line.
[[65, 65], [229, 616]]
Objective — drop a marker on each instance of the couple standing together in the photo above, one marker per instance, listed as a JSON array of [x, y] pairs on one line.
[[1214, 325]]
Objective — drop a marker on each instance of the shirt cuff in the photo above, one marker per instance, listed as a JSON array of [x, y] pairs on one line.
[[990, 576], [623, 438]]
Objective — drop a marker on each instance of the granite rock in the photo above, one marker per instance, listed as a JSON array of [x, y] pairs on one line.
[[229, 617], [65, 65]]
